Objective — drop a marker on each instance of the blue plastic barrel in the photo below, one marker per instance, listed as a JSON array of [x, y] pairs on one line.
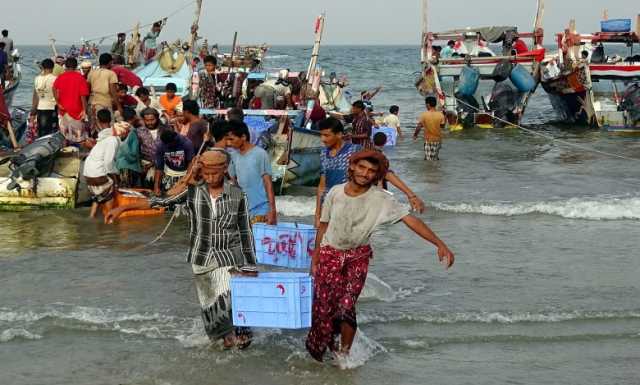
[[615, 25], [469, 79], [522, 79]]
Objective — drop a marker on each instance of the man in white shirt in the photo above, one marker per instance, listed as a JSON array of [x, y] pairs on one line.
[[351, 212], [100, 169], [393, 121], [43, 107]]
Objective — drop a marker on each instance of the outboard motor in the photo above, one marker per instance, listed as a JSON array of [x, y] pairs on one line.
[[631, 103], [34, 160], [504, 100]]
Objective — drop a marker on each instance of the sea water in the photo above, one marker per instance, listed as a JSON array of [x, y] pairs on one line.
[[544, 289]]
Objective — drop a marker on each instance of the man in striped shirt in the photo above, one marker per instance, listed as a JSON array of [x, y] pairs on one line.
[[221, 241]]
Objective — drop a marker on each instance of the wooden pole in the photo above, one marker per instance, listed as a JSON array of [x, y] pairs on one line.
[[537, 25], [316, 47], [424, 54], [12, 134], [233, 49], [52, 43], [194, 29], [638, 25]]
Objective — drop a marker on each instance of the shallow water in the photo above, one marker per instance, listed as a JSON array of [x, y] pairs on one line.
[[544, 290]]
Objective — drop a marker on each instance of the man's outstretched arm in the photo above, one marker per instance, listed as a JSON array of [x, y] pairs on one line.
[[426, 233]]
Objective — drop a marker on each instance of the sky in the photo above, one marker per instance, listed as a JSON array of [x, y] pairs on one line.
[[291, 21]]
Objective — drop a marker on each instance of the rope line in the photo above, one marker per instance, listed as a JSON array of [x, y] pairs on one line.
[[527, 130], [111, 36], [550, 137]]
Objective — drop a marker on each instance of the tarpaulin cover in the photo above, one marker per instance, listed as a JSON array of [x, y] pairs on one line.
[[492, 34]]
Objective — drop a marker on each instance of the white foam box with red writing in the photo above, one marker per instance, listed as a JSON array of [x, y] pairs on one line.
[[272, 300], [286, 244]]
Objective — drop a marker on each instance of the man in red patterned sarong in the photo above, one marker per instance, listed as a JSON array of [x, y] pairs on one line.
[[350, 214]]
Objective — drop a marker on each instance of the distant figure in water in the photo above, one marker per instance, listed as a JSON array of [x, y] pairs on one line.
[[350, 214], [221, 242], [432, 121]]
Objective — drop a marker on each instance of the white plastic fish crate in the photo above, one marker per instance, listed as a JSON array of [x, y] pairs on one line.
[[272, 300], [286, 244]]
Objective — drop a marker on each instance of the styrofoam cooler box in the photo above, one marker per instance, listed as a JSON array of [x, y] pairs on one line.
[[286, 244], [272, 300]]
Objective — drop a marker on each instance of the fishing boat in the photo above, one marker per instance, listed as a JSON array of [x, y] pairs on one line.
[[42, 175], [592, 81], [243, 57], [472, 84], [294, 148]]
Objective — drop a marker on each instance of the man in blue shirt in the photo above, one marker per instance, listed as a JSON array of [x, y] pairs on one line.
[[251, 167], [448, 51], [334, 164]]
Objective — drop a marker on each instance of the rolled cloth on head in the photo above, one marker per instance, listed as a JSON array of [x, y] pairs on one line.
[[121, 128], [383, 162], [212, 158], [86, 64]]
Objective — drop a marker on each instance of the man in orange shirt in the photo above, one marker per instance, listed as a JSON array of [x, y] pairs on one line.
[[432, 121], [170, 102]]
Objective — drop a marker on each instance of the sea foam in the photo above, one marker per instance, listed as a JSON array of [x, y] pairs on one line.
[[598, 208]]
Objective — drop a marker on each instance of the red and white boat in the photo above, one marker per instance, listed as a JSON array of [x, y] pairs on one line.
[[595, 78], [474, 85]]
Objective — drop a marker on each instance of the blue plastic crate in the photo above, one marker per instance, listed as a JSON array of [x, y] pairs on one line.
[[615, 25], [272, 300], [287, 244]]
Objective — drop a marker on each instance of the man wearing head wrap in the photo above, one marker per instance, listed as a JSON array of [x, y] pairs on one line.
[[100, 169], [221, 241], [350, 214]]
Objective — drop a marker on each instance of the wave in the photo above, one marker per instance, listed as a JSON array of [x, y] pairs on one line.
[[296, 206], [501, 318], [601, 208], [11, 334], [84, 314], [277, 56]]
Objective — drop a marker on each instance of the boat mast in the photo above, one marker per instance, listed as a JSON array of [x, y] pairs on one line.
[[52, 43], [313, 63], [537, 25], [194, 29], [425, 54]]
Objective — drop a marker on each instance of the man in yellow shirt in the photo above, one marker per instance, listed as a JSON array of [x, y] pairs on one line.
[[432, 121], [104, 87]]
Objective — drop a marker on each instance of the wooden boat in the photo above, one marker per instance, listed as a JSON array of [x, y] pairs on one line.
[[57, 188], [446, 77], [171, 66], [595, 90], [243, 57]]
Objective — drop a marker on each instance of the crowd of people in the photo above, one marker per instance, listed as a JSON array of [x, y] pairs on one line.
[[211, 165]]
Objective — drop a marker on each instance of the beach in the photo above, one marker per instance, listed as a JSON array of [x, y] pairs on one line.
[[544, 290]]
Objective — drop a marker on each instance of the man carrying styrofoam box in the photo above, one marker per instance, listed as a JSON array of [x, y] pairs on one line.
[[350, 214]]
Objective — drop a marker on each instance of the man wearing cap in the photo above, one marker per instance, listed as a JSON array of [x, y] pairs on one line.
[[221, 241], [351, 213]]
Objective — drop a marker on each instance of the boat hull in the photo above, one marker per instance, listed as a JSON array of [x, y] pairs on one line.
[[58, 189], [297, 164]]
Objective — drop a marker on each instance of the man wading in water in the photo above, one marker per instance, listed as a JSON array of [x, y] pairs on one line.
[[221, 242], [350, 214]]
